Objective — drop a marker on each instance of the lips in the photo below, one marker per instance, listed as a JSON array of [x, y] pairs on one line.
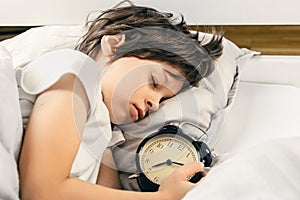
[[140, 113]]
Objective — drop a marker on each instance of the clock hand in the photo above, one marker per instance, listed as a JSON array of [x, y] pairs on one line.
[[159, 164], [177, 163], [167, 162]]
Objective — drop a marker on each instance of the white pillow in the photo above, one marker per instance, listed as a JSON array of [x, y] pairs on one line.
[[37, 41], [268, 111]]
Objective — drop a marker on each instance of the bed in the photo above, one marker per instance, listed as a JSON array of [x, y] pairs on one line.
[[258, 131]]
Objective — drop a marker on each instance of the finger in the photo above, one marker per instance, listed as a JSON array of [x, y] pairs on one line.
[[186, 171], [204, 173]]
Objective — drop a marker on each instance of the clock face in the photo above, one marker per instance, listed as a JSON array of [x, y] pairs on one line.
[[162, 154]]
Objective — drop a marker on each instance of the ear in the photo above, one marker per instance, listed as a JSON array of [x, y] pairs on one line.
[[109, 44]]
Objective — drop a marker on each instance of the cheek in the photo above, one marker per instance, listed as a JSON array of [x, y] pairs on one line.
[[139, 94], [126, 84], [124, 94], [124, 89]]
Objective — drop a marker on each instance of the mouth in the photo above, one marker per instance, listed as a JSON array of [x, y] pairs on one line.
[[140, 113]]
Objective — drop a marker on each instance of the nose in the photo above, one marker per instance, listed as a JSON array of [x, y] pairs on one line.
[[153, 103], [153, 107]]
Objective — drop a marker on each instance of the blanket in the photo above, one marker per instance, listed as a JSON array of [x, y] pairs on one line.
[[267, 170], [10, 129]]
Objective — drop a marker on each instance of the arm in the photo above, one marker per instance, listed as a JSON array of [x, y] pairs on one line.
[[51, 143], [108, 175]]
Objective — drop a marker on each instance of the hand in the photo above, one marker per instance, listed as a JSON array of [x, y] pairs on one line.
[[177, 185]]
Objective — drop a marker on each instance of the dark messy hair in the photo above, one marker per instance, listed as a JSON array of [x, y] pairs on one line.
[[153, 35]]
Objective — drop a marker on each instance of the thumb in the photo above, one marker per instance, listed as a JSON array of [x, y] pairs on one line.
[[186, 171]]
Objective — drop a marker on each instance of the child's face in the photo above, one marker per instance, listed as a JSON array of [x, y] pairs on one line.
[[131, 87]]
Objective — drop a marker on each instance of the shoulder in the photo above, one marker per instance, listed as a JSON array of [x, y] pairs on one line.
[[47, 69], [62, 57], [62, 69]]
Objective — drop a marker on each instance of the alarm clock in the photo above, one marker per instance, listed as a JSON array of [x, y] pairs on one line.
[[159, 154]]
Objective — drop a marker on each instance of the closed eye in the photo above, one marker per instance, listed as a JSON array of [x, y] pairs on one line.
[[154, 82], [163, 99]]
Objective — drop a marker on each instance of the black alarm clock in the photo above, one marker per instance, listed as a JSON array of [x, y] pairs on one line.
[[159, 154]]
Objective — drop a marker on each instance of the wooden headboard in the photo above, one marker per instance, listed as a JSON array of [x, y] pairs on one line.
[[267, 39], [271, 27], [7, 32]]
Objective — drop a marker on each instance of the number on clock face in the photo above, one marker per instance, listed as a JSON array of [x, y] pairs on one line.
[[162, 154]]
